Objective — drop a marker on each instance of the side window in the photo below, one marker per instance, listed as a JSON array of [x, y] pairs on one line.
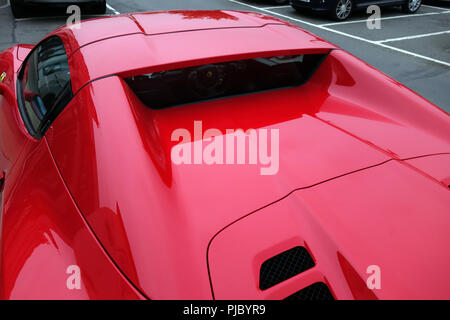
[[44, 85]]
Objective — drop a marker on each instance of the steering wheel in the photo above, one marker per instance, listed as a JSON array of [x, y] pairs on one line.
[[207, 81]]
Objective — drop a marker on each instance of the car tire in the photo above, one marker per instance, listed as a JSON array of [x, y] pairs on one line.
[[99, 8], [18, 11], [411, 6], [341, 10]]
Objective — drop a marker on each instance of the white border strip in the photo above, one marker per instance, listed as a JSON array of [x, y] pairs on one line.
[[346, 34]]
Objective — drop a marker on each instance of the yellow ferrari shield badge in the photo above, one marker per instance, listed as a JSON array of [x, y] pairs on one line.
[[2, 76]]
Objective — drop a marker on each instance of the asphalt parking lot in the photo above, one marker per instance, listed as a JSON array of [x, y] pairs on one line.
[[412, 49]]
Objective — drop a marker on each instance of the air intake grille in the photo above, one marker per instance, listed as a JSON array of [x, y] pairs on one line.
[[316, 291], [284, 266]]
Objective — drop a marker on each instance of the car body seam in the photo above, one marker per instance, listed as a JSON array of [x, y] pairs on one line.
[[172, 32], [137, 290], [402, 161], [275, 201]]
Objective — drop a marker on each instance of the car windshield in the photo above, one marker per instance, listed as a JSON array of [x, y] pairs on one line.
[[194, 84]]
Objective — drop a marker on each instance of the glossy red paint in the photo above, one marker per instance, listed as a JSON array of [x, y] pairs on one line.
[[362, 165], [387, 215], [12, 130], [436, 166], [43, 232], [183, 199], [381, 111], [158, 52], [23, 50], [153, 23]]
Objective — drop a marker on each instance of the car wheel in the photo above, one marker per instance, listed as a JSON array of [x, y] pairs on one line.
[[341, 10], [99, 8], [411, 6], [280, 2], [18, 11]]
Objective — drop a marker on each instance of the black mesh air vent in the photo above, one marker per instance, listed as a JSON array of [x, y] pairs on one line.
[[315, 292], [284, 266]]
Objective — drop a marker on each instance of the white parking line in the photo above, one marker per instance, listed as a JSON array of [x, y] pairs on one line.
[[112, 9], [440, 8], [345, 34], [275, 13], [414, 37], [277, 7], [6, 5], [385, 18]]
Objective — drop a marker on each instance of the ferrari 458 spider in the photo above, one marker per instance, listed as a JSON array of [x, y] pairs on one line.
[[94, 205]]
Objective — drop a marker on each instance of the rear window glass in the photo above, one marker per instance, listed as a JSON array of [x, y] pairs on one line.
[[194, 84]]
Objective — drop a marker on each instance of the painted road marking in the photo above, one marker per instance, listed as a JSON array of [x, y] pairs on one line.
[[413, 37], [112, 9], [385, 18]]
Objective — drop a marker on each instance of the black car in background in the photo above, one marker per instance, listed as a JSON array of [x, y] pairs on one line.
[[280, 1], [21, 8], [341, 9]]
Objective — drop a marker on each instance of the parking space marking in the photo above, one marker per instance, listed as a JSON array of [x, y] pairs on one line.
[[277, 7], [275, 13], [345, 34], [6, 5], [112, 9], [413, 37], [440, 8], [385, 18]]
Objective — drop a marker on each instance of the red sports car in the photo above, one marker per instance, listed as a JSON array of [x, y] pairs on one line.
[[102, 199]]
